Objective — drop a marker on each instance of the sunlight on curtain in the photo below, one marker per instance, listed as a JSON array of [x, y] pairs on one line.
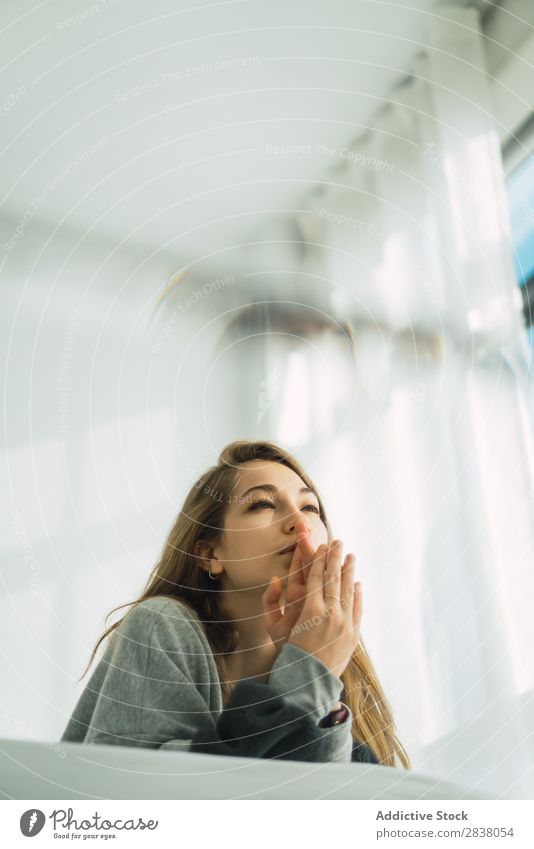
[[431, 482]]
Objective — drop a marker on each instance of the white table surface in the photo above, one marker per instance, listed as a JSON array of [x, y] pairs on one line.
[[35, 770]]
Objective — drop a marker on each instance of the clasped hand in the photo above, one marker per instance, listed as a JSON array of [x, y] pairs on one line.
[[323, 606]]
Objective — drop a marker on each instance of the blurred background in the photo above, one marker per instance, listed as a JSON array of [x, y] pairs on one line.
[[308, 222]]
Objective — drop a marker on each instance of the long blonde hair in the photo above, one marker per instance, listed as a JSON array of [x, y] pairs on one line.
[[177, 575]]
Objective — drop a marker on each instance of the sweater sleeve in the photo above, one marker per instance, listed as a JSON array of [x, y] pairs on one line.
[[155, 691], [280, 719], [363, 754]]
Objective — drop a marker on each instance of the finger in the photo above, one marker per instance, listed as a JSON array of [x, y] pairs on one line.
[[305, 545], [272, 611], [357, 605], [295, 587], [315, 580], [332, 576], [295, 569], [347, 580]]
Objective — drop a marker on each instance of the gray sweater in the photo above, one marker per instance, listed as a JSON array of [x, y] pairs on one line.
[[157, 685]]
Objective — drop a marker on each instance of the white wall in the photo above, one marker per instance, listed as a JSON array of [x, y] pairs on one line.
[[101, 421]]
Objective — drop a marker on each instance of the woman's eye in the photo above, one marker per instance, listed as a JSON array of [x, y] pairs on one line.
[[260, 503], [270, 504]]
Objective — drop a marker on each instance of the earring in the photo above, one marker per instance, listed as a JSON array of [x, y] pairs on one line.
[[213, 577]]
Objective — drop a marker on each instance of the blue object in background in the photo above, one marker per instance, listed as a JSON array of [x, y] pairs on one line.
[[520, 191]]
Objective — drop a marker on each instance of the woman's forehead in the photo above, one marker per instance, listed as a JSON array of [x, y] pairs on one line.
[[256, 472]]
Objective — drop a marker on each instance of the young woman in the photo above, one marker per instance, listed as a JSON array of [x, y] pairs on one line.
[[246, 638]]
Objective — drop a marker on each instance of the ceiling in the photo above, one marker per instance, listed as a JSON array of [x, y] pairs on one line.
[[165, 125]]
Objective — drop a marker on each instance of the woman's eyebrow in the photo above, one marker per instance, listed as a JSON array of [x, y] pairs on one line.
[[272, 488]]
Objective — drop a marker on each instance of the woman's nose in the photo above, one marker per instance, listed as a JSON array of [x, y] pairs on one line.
[[292, 520]]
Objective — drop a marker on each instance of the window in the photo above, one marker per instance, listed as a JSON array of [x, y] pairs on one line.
[[520, 190], [520, 194]]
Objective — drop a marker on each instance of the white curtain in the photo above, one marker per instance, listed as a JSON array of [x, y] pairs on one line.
[[429, 476]]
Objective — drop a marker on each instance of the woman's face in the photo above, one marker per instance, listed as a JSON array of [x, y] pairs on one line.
[[261, 520]]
